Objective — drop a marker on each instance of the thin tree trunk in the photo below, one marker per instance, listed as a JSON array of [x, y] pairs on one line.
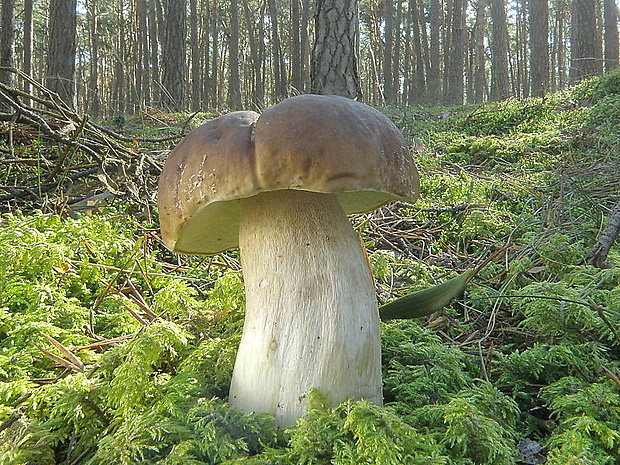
[[610, 21], [7, 47], [305, 45], [396, 76], [279, 68], [296, 56], [539, 43], [28, 41], [418, 90], [197, 59], [143, 81], [234, 84], [499, 51], [334, 68], [93, 99], [598, 254], [433, 78], [388, 80], [154, 50], [479, 77], [215, 48], [256, 63], [455, 69]]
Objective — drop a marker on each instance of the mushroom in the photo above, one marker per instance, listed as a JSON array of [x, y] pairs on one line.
[[280, 186]]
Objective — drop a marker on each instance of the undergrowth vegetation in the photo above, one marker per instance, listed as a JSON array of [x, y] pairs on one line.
[[113, 351]]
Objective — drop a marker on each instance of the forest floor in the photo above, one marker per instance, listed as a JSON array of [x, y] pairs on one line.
[[113, 350]]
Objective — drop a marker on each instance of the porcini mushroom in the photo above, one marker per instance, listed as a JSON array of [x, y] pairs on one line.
[[280, 186]]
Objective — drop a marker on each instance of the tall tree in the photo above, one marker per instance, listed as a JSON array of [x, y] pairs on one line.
[[61, 49], [296, 54], [334, 66], [455, 55], [539, 43], [389, 92], [279, 67], [154, 49], [7, 38], [27, 46], [585, 44], [234, 84], [610, 24], [93, 98], [434, 72], [479, 68], [174, 52], [500, 84]]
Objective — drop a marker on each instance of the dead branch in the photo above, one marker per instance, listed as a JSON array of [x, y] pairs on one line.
[[598, 253]]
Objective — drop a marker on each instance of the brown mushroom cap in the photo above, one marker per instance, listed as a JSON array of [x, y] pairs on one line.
[[326, 144]]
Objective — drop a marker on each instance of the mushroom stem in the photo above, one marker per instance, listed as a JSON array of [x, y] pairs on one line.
[[311, 311]]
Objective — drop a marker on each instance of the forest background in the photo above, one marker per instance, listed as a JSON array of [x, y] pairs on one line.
[[110, 57]]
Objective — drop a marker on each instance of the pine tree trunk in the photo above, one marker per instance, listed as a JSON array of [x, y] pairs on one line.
[[256, 82], [215, 50], [27, 46], [585, 46], [61, 50], [480, 27], [279, 68], [154, 50], [433, 78], [539, 42], [500, 85], [610, 22], [418, 91], [296, 56], [174, 52], [388, 80], [334, 67], [305, 44], [197, 58], [234, 84], [93, 98], [455, 59], [7, 47]]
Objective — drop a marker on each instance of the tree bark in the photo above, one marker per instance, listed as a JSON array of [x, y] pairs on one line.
[[234, 84], [539, 43], [334, 67], [7, 47], [296, 54], [154, 50], [388, 51], [197, 60], [433, 78], [61, 50], [455, 59], [93, 97], [585, 46], [174, 51], [598, 254], [610, 24], [500, 84], [279, 68], [27, 45], [479, 68]]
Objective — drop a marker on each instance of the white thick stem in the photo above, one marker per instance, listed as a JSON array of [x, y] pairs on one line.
[[311, 311]]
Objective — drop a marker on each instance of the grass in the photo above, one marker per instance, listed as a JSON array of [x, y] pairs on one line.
[[524, 366]]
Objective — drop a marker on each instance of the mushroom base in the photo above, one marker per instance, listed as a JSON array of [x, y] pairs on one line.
[[311, 311]]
